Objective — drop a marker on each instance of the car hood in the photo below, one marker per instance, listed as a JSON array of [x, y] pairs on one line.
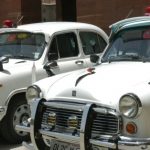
[[106, 84], [14, 66]]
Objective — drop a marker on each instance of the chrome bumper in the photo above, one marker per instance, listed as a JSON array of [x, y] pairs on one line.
[[25, 129], [133, 143], [124, 143], [28, 146]]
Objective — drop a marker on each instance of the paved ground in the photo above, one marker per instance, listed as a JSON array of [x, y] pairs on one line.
[[5, 146]]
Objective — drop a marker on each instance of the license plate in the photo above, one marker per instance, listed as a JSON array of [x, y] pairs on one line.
[[99, 148], [57, 145]]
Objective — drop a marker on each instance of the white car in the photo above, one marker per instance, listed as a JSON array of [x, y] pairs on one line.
[[102, 107], [35, 51]]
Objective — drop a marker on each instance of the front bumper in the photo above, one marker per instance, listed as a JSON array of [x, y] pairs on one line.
[[123, 143], [117, 142]]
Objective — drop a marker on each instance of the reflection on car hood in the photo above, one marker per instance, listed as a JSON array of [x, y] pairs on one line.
[[108, 82], [17, 65]]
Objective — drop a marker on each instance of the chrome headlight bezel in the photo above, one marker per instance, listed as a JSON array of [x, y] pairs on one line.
[[130, 105], [33, 92]]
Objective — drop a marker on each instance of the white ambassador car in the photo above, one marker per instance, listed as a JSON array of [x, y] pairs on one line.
[[35, 51], [99, 108]]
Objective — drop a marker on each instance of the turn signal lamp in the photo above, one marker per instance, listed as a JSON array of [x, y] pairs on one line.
[[131, 128]]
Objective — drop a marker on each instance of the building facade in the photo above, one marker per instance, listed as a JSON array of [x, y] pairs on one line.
[[99, 12]]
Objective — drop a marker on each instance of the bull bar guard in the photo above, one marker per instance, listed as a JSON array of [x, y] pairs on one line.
[[123, 142]]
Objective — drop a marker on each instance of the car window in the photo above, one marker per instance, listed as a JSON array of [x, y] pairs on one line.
[[65, 45], [22, 45], [129, 45], [92, 43]]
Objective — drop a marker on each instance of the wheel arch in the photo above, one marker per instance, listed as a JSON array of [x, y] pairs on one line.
[[7, 122], [14, 95]]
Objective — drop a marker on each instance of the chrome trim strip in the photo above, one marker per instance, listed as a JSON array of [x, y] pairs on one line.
[[60, 137], [101, 110], [83, 125], [80, 101], [64, 106], [103, 143], [124, 143], [22, 128]]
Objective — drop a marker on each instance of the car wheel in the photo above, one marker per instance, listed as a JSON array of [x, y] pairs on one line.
[[18, 112]]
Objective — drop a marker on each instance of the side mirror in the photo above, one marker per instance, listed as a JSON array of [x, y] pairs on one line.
[[3, 59], [49, 67], [52, 56], [94, 58]]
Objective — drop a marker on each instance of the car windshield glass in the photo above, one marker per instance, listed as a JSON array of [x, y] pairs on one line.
[[22, 45], [129, 45]]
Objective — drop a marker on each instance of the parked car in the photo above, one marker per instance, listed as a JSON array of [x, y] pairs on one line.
[[99, 108], [35, 51]]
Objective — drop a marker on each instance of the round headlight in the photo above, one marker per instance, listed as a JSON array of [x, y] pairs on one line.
[[129, 105], [33, 92]]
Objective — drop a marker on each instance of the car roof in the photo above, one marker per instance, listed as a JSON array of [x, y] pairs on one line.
[[52, 27], [130, 23]]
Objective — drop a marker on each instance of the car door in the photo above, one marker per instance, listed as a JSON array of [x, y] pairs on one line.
[[67, 56], [92, 43]]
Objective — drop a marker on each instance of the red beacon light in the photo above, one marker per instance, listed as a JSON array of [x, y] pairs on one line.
[[7, 24], [147, 11]]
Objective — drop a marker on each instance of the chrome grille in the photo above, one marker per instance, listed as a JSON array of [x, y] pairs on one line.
[[105, 124], [102, 120], [62, 116]]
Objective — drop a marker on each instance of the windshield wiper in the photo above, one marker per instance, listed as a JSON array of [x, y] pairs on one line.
[[21, 57]]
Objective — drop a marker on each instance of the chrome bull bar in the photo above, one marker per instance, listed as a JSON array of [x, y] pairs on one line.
[[123, 143]]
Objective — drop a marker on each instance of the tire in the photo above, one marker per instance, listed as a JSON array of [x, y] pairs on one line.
[[18, 111]]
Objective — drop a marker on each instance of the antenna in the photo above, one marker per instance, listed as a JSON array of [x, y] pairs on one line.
[[129, 14], [19, 20]]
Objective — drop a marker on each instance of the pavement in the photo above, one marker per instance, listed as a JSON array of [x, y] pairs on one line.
[[6, 146]]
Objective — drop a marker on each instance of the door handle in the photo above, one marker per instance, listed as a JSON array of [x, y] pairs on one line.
[[79, 62]]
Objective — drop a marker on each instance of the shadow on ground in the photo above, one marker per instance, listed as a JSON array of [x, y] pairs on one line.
[[6, 146]]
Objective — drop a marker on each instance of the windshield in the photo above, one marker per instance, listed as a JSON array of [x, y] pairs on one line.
[[22, 45], [129, 45]]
